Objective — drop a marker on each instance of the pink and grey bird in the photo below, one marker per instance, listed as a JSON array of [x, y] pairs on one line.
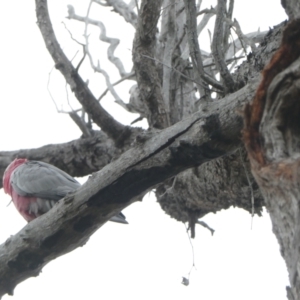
[[35, 187]]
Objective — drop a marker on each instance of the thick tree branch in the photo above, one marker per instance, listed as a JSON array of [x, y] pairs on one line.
[[100, 116], [146, 73], [200, 138], [78, 158]]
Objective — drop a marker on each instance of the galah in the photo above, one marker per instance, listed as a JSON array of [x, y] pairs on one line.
[[35, 187]]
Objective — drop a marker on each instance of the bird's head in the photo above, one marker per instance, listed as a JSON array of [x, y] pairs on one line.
[[9, 170]]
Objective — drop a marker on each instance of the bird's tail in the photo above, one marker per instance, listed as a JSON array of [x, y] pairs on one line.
[[119, 218]]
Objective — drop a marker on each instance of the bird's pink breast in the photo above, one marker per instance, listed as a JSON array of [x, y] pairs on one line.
[[9, 170], [22, 204]]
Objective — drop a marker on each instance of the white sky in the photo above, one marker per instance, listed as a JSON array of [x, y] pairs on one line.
[[146, 259]]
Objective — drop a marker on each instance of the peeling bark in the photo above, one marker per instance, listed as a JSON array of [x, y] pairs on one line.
[[272, 138]]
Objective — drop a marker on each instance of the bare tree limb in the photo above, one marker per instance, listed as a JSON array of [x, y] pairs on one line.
[[103, 37], [146, 73], [206, 11], [80, 123], [236, 45], [130, 76], [122, 9], [190, 9], [79, 157], [101, 117], [210, 13], [227, 26], [168, 37], [217, 47], [242, 37]]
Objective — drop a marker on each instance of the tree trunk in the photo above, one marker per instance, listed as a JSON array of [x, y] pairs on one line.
[[272, 138]]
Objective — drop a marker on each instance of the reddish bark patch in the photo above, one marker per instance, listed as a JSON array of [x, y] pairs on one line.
[[288, 52]]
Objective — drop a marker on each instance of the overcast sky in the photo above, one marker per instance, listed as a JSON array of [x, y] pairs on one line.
[[147, 258]]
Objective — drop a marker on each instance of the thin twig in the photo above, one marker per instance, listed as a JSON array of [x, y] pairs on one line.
[[49, 91], [129, 76], [210, 13], [207, 78], [211, 10], [123, 9], [137, 7], [71, 35], [228, 61], [80, 123], [212, 231]]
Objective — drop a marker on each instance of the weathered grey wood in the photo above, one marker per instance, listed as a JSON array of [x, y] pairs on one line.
[[198, 139], [272, 138]]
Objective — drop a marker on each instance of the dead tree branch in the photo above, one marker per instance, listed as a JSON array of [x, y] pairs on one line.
[[122, 9], [146, 73], [80, 123], [103, 37], [79, 157], [83, 94], [190, 9], [217, 47]]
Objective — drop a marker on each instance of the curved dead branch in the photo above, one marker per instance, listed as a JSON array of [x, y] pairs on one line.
[[122, 9], [100, 116], [114, 42]]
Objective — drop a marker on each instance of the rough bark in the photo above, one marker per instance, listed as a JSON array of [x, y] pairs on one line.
[[211, 187], [78, 158], [272, 138], [144, 64], [182, 199]]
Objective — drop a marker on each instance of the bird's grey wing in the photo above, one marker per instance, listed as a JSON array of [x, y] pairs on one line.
[[41, 180]]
